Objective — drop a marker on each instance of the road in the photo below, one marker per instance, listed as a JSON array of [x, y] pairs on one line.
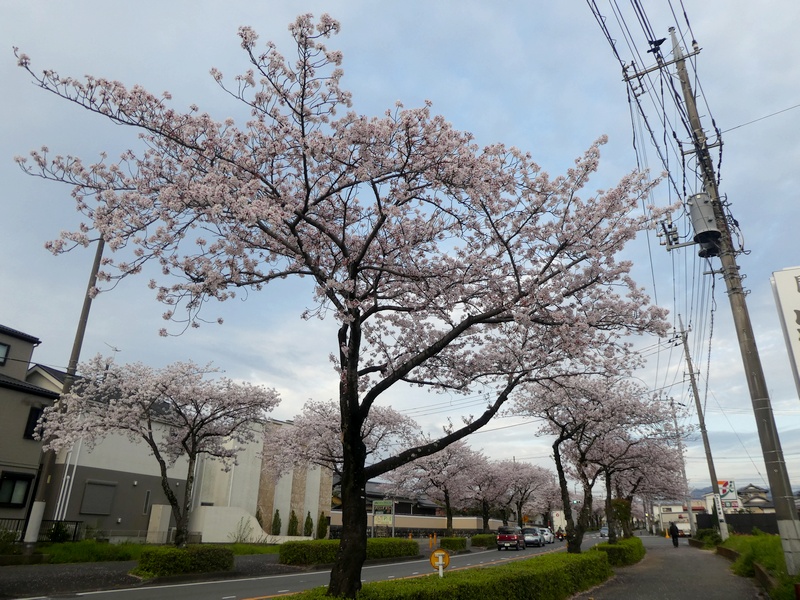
[[276, 585]]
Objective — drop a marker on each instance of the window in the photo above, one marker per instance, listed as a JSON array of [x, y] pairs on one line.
[[14, 488], [33, 419], [98, 497], [4, 348]]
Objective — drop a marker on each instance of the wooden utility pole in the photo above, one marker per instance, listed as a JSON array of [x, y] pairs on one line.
[[782, 497]]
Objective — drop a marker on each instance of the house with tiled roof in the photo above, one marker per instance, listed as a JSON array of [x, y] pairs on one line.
[[21, 404]]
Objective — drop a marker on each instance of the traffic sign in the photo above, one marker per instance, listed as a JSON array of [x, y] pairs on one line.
[[440, 560]]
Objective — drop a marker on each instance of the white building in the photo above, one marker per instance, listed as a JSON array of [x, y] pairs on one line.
[[114, 489]]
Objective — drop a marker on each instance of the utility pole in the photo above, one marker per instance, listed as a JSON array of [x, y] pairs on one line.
[[44, 487], [782, 497], [686, 497], [723, 531]]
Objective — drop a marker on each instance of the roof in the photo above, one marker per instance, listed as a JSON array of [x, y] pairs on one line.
[[20, 335], [56, 374], [23, 386]]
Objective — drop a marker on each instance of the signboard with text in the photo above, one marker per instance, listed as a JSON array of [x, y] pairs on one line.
[[786, 287], [382, 512]]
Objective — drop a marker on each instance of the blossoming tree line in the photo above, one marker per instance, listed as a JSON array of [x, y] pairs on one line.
[[446, 265]]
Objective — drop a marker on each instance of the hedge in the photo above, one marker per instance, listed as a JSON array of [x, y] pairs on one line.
[[163, 561], [483, 540], [545, 577], [454, 543], [323, 552], [626, 551]]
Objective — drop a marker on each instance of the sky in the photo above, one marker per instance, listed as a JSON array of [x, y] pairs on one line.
[[537, 75]]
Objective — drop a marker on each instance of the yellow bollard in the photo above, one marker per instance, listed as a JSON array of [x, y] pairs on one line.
[[434, 539], [430, 541], [409, 536]]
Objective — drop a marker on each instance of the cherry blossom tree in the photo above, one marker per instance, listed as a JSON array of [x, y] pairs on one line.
[[588, 416], [176, 411], [444, 477], [525, 482], [316, 437], [447, 266], [489, 489]]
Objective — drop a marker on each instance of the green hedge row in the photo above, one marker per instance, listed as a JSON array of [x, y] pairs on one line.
[[545, 577], [627, 551], [163, 561], [323, 552], [454, 543], [484, 540]]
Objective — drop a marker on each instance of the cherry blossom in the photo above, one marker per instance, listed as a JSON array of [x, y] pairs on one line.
[[448, 266], [175, 411]]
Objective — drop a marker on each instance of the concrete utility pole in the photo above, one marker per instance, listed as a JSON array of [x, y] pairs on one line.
[[782, 497], [44, 489], [712, 472], [687, 498]]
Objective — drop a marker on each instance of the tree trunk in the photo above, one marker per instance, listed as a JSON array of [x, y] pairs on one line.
[[449, 512], [573, 539], [485, 516], [346, 572], [610, 520]]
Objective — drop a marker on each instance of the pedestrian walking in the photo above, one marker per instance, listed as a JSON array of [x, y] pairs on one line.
[[674, 532]]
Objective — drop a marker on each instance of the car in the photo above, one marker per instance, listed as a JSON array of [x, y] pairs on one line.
[[604, 532], [533, 537], [547, 534], [510, 537]]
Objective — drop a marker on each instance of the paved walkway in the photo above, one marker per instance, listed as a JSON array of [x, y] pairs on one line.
[[669, 573]]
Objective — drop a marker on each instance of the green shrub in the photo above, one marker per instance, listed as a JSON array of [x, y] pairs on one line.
[[276, 523], [163, 561], [548, 577], [322, 527], [484, 540], [91, 551], [709, 537], [767, 551], [294, 525], [454, 543], [323, 552], [239, 549], [7, 542], [627, 551], [58, 533], [308, 526]]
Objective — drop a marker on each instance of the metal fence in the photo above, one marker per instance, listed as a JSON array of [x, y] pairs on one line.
[[50, 531]]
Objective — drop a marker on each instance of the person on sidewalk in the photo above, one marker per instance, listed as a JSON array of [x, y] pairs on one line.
[[674, 532]]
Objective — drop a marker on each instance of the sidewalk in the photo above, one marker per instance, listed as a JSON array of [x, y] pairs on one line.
[[669, 573]]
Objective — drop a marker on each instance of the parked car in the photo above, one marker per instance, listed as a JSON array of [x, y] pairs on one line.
[[604, 532], [547, 534], [510, 537], [533, 537]]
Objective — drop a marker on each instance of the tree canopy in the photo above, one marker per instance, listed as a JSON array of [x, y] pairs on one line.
[[447, 265]]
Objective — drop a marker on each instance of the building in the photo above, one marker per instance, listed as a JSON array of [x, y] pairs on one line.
[[665, 512], [22, 403], [756, 500], [113, 489]]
